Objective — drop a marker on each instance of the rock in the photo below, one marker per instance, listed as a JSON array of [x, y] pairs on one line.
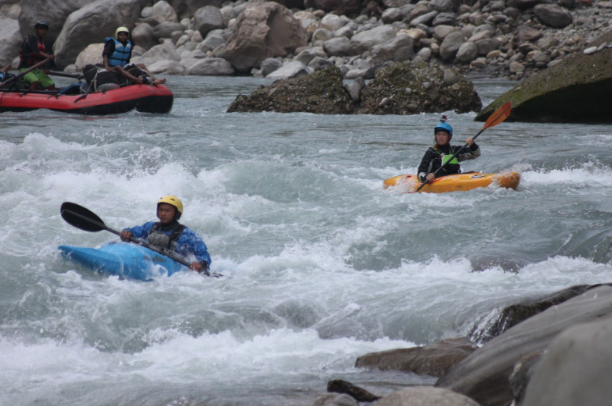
[[444, 19], [165, 30], [321, 93], [425, 19], [575, 367], [521, 375], [425, 396], [290, 70], [330, 399], [467, 53], [163, 12], [345, 31], [386, 93], [337, 46], [441, 31], [211, 67], [143, 35], [159, 52], [450, 45], [517, 67], [263, 30], [167, 67], [526, 33], [319, 63], [208, 18], [10, 39], [55, 12], [321, 34], [269, 65], [424, 54], [340, 7], [187, 8], [572, 91], [354, 89], [553, 15], [309, 54], [484, 374], [391, 15], [366, 40], [590, 50], [433, 359], [398, 50], [211, 42], [548, 42], [333, 22], [485, 46], [354, 391], [445, 5], [97, 20], [91, 55]]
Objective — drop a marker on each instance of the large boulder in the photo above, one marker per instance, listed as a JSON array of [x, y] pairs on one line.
[[161, 52], [366, 40], [575, 90], [398, 50], [402, 88], [91, 55], [484, 374], [576, 368], [340, 7], [263, 30], [451, 44], [425, 396], [143, 35], [321, 93], [187, 8], [55, 12], [207, 19], [553, 15], [10, 39], [91, 23], [164, 12], [211, 67]]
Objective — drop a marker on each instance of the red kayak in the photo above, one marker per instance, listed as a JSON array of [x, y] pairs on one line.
[[144, 98]]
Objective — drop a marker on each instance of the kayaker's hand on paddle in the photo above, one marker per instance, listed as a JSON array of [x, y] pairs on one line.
[[469, 141], [196, 266], [125, 235], [430, 177]]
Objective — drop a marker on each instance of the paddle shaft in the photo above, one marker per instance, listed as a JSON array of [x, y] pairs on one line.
[[67, 75], [25, 72]]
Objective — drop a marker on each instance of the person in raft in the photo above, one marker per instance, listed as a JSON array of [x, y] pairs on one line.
[[117, 54], [32, 51], [4, 75], [442, 152], [168, 234]]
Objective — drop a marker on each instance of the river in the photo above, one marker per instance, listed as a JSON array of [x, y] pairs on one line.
[[321, 264]]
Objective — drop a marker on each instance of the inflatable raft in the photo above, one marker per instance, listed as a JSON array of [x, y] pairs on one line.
[[455, 183], [144, 98], [127, 261]]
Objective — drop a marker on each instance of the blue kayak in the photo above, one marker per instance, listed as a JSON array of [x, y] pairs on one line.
[[128, 261]]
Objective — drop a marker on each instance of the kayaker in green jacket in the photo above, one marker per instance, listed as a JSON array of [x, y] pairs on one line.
[[442, 152], [169, 234]]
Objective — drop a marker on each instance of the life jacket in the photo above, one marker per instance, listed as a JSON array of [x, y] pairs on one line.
[[28, 59], [446, 159], [121, 56], [161, 240]]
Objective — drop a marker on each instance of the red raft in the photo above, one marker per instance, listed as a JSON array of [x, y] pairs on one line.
[[144, 98]]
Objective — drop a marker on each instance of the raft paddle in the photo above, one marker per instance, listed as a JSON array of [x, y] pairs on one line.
[[25, 72], [497, 117], [68, 75], [84, 219]]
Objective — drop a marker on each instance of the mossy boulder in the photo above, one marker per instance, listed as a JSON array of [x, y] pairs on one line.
[[321, 93], [577, 90], [402, 88]]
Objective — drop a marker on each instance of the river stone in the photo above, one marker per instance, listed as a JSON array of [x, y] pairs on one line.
[[211, 67], [572, 91], [319, 63], [576, 368], [450, 45], [321, 93], [391, 15], [333, 399], [269, 65], [433, 359], [425, 396], [144, 36], [441, 31], [339, 7], [165, 30], [167, 67], [97, 20], [208, 18], [366, 40], [526, 33], [91, 55], [444, 19], [165, 51], [425, 19], [333, 22], [263, 30], [10, 39], [163, 12], [290, 70], [420, 9], [55, 12], [354, 89], [485, 46], [484, 374], [398, 50], [386, 93], [337, 46], [553, 15], [467, 53]]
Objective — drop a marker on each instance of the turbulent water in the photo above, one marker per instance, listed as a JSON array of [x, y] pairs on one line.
[[321, 264]]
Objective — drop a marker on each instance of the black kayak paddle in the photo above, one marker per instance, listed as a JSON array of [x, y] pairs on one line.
[[497, 117], [86, 220]]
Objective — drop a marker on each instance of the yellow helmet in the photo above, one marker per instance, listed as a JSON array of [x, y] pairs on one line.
[[121, 29], [173, 201]]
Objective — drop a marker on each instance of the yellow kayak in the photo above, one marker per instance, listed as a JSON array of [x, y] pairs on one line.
[[460, 182]]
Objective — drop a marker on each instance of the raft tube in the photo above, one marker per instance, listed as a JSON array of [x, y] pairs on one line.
[[144, 98], [461, 182], [128, 261]]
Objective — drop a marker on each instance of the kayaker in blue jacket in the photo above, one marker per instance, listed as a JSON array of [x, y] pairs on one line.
[[169, 234], [442, 152], [117, 54]]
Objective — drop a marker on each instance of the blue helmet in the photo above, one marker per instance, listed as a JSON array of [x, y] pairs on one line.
[[444, 127]]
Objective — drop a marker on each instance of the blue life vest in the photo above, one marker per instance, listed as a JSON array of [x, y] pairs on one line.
[[122, 53]]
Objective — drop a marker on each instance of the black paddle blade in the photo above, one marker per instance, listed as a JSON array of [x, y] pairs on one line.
[[82, 218]]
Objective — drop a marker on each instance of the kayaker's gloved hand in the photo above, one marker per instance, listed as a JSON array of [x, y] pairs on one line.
[[125, 235], [422, 176], [200, 267]]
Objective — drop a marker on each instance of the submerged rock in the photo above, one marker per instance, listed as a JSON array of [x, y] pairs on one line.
[[321, 93], [575, 90], [402, 88]]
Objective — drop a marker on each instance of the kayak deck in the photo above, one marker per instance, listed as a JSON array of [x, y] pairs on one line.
[[460, 182], [127, 261]]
